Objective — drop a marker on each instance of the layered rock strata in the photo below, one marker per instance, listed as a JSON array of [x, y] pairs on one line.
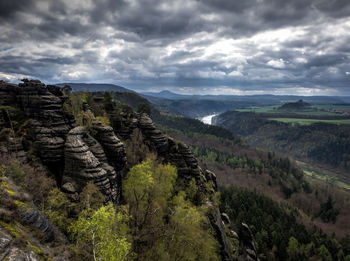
[[70, 152], [84, 163]]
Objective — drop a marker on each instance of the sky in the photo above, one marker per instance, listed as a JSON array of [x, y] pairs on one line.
[[186, 46]]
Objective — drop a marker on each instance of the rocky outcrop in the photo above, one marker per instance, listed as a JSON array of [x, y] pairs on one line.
[[7, 93], [85, 163], [152, 134], [9, 250], [24, 230], [211, 177], [247, 250], [70, 153], [31, 215], [49, 124], [176, 153], [112, 146], [218, 226]]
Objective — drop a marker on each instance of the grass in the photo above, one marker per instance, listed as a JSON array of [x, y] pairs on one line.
[[316, 110], [310, 121], [326, 178]]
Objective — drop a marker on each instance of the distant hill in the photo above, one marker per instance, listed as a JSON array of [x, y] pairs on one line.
[[167, 95], [95, 87], [194, 106], [295, 105]]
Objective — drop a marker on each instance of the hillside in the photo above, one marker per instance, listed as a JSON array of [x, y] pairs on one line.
[[299, 105], [123, 191], [236, 163], [195, 106], [323, 144], [94, 87], [70, 160]]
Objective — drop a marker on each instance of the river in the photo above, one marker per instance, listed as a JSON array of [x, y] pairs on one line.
[[207, 119]]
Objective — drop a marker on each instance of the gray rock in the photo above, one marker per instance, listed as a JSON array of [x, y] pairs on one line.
[[33, 216], [82, 165], [225, 218], [217, 224], [247, 250]]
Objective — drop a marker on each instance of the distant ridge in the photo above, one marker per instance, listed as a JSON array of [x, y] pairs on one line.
[[95, 87], [295, 105], [166, 95]]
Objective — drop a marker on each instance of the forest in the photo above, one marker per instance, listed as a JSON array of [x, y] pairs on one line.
[[161, 217]]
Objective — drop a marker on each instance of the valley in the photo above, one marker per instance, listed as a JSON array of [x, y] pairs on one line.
[[186, 130], [117, 133], [207, 119]]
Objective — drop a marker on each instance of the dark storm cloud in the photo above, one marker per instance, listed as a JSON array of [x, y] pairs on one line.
[[9, 9], [247, 45]]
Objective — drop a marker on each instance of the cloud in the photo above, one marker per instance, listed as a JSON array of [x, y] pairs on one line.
[[243, 46]]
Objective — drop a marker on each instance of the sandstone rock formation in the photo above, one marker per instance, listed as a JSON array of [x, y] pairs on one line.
[[49, 123], [247, 250], [70, 152], [85, 163], [218, 226], [112, 146]]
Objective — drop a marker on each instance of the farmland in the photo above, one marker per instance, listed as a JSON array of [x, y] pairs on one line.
[[294, 121]]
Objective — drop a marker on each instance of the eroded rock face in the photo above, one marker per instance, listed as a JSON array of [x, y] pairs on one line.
[[151, 133], [247, 250], [84, 163], [176, 153], [112, 146], [8, 93], [50, 125], [33, 216], [218, 226], [62, 146]]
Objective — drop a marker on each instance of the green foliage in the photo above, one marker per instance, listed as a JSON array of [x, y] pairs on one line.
[[144, 108], [108, 102], [279, 236], [104, 231], [104, 119], [294, 250], [321, 142], [328, 213], [164, 226], [186, 222], [90, 198], [323, 252], [287, 175], [136, 187], [74, 105], [192, 190], [14, 171], [124, 108], [58, 209]]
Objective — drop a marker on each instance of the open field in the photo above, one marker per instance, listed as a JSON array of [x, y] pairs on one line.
[[310, 121], [328, 175], [316, 110]]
